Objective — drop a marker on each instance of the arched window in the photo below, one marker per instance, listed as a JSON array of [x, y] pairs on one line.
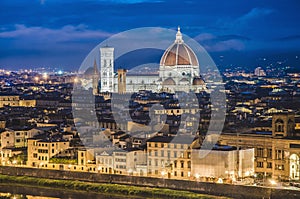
[[279, 125]]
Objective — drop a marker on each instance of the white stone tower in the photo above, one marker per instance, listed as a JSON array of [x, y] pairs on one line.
[[107, 69]]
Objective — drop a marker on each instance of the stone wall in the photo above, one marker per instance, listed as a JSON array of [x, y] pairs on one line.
[[235, 191]]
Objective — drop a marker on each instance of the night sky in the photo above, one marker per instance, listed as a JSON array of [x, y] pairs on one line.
[[60, 33]]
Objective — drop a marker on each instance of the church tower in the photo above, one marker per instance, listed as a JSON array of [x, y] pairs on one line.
[[107, 69], [95, 79]]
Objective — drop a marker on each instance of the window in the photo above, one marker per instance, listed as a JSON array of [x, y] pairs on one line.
[[155, 153], [149, 162], [182, 174], [260, 152], [279, 154], [156, 163], [279, 167], [162, 154], [189, 154], [260, 165], [181, 154], [189, 164], [269, 165], [175, 154], [182, 164], [279, 126], [269, 155]]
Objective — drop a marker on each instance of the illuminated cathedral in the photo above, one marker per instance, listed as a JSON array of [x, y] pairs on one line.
[[178, 71]]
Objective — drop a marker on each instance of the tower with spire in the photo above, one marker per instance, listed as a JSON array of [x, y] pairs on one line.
[[95, 79]]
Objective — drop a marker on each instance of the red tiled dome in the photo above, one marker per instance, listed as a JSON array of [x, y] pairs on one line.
[[179, 54]]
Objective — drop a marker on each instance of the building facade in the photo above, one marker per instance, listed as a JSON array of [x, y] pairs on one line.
[[276, 153]]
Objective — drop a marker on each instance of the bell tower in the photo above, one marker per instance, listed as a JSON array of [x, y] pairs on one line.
[[95, 79], [107, 69]]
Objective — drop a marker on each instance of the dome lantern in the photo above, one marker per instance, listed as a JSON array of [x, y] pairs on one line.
[[179, 53]]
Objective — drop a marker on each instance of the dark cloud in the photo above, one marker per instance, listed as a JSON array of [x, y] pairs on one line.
[[289, 38], [50, 31]]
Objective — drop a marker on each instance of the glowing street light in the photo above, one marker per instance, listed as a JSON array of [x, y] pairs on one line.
[[163, 173], [197, 176], [220, 181], [273, 182]]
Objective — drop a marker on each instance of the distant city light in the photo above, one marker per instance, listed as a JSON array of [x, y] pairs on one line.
[[45, 75], [60, 72]]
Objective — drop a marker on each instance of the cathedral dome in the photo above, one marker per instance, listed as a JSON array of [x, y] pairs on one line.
[[179, 53], [198, 81], [169, 81]]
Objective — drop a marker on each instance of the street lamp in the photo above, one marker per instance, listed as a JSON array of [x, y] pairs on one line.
[[197, 176], [163, 173], [220, 181], [273, 182]]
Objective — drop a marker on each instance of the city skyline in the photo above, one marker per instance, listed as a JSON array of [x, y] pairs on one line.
[[60, 34]]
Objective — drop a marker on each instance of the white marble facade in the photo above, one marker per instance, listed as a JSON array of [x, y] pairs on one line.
[[178, 71]]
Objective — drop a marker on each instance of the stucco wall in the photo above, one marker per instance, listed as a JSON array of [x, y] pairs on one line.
[[235, 191]]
